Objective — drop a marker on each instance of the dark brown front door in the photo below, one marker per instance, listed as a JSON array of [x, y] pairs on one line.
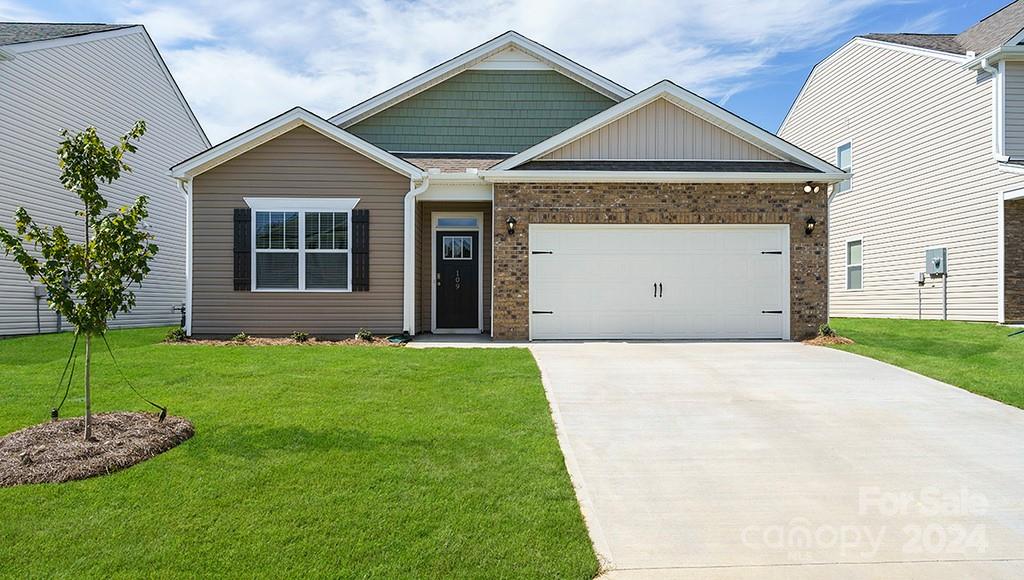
[[457, 280]]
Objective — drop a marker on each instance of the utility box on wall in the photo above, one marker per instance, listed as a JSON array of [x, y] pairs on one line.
[[935, 261]]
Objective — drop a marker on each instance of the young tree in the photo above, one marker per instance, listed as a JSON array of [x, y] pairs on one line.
[[88, 282]]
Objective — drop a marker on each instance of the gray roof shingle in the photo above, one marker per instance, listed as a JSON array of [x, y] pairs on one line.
[[18, 32], [991, 32], [940, 42]]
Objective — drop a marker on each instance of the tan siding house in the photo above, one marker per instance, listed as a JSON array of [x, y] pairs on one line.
[[107, 76], [917, 126]]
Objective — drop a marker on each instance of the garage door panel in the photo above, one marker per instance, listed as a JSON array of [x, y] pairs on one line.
[[715, 281]]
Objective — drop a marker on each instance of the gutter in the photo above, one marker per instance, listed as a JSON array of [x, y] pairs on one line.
[[409, 261], [507, 176], [998, 106], [186, 190]]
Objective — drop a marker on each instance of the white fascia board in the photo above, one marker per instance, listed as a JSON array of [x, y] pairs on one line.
[[466, 60], [688, 101], [1014, 53], [1012, 195], [279, 125], [529, 176], [860, 41]]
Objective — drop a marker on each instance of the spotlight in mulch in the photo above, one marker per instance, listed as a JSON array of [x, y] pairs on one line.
[[55, 452]]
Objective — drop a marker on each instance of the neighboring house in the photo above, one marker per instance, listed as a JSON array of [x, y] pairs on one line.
[[513, 192], [57, 76], [932, 127]]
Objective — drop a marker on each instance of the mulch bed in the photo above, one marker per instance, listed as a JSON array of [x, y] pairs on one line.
[[56, 452], [262, 341], [828, 340]]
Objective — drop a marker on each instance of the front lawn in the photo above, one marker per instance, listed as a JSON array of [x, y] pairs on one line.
[[978, 357], [307, 461]]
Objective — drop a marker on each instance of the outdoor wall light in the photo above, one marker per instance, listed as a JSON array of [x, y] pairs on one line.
[[809, 228], [510, 223], [809, 188]]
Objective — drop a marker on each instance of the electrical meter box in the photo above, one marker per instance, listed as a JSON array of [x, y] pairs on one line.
[[935, 261]]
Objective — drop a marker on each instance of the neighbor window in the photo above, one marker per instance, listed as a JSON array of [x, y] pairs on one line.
[[854, 267], [844, 160], [321, 262]]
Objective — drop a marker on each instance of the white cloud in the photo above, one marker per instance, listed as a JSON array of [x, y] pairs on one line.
[[239, 63]]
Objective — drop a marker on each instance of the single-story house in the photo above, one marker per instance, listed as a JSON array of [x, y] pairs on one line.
[[513, 192]]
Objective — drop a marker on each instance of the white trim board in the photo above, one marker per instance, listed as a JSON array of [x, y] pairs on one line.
[[687, 101], [280, 125], [471, 58], [516, 176]]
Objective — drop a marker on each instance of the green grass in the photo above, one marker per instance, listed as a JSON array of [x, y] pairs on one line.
[[307, 460], [974, 356]]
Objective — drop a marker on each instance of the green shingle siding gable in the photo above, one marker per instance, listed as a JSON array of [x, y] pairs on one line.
[[483, 111]]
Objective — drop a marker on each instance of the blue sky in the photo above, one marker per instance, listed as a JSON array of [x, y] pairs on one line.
[[241, 62]]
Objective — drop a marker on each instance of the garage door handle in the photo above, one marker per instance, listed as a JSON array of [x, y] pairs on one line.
[[661, 291], [771, 312], [655, 289]]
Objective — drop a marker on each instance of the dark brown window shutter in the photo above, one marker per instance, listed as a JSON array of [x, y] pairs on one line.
[[243, 249], [360, 250]]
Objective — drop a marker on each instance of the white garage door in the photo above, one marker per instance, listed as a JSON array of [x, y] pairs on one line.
[[610, 281]]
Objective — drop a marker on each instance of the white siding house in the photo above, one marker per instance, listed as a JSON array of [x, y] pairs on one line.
[[918, 120], [73, 76]]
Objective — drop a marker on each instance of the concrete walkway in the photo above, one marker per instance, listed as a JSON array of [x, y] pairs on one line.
[[780, 460]]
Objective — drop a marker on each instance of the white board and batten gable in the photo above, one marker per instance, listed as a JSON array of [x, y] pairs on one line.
[[661, 124]]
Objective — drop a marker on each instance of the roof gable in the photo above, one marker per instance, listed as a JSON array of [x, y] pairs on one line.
[[994, 30], [278, 126], [528, 54], [660, 130], [707, 112]]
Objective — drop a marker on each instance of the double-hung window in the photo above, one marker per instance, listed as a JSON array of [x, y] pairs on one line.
[[844, 160], [854, 265], [301, 249]]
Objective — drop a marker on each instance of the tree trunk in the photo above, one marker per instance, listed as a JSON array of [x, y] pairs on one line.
[[88, 396]]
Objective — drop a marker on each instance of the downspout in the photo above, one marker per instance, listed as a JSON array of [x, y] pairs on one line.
[[409, 262], [998, 114], [186, 190]]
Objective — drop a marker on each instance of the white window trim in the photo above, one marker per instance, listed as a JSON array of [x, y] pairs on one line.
[[847, 265], [479, 267], [849, 169], [300, 206]]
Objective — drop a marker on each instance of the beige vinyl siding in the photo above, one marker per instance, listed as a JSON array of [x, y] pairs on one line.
[[924, 176], [300, 163], [660, 130], [424, 247], [108, 83], [1014, 109]]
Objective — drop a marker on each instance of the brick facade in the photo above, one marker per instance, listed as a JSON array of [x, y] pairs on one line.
[[659, 203], [1014, 260]]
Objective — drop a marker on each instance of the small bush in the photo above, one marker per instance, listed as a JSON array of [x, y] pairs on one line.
[[825, 330], [364, 334], [176, 335], [300, 336], [240, 337]]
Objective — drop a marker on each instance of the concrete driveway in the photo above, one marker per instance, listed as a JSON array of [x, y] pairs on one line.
[[780, 460]]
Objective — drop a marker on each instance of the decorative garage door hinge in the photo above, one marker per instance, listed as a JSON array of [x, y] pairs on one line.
[[542, 312], [542, 252], [778, 252], [771, 312]]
